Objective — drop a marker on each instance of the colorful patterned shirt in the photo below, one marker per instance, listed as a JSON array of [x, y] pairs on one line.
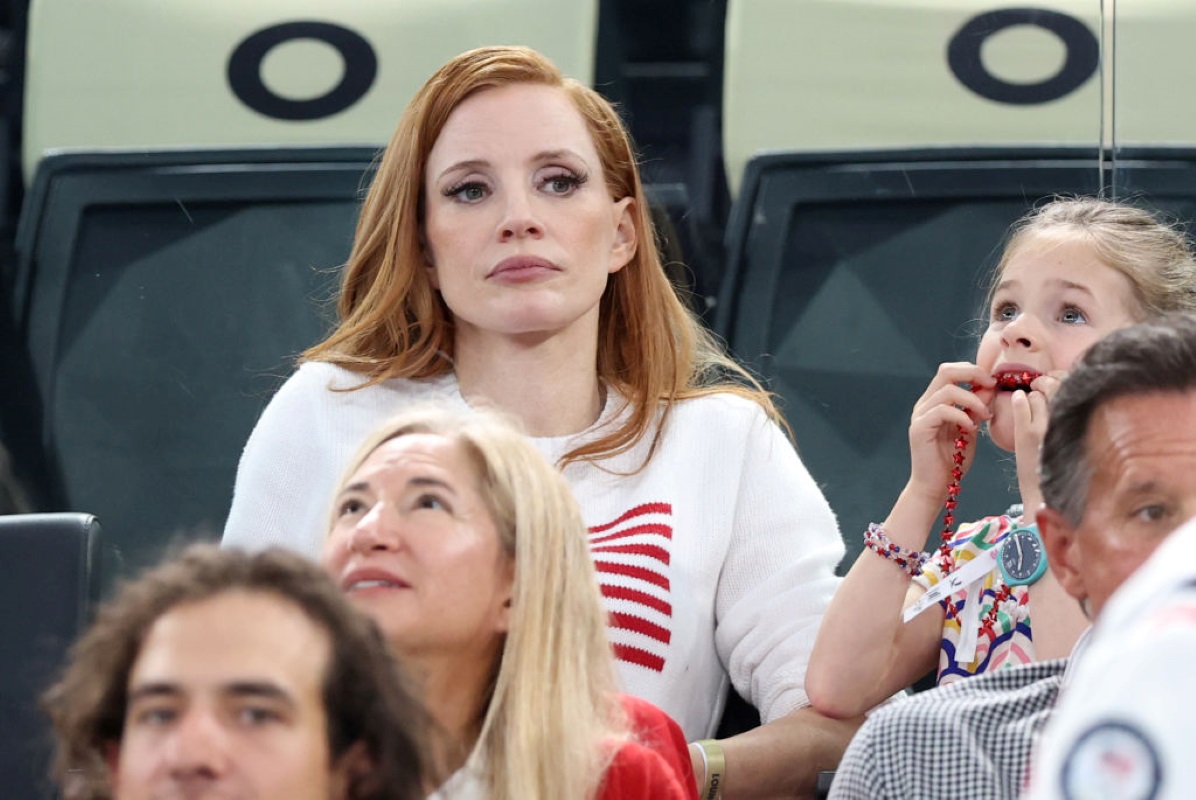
[[1008, 643]]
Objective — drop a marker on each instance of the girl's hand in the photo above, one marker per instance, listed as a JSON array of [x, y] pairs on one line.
[[945, 407], [1030, 413]]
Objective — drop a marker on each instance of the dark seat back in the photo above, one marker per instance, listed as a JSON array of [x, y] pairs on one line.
[[48, 585], [162, 297], [850, 277]]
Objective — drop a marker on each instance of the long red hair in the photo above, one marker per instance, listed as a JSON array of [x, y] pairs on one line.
[[651, 348]]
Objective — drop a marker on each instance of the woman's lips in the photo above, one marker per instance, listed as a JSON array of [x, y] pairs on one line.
[[358, 580], [520, 269]]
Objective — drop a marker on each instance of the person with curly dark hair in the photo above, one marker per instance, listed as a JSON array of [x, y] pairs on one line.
[[221, 673]]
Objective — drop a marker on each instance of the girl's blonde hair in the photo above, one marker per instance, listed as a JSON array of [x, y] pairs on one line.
[[553, 714], [1155, 257], [651, 348]]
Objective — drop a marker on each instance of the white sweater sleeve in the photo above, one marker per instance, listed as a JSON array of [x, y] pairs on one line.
[[289, 468], [778, 576]]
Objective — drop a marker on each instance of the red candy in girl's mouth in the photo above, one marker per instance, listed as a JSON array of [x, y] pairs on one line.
[[1012, 381]]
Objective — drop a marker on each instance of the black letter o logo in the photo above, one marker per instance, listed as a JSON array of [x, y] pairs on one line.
[[245, 77], [1083, 55]]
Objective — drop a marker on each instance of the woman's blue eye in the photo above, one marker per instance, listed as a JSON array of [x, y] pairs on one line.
[[563, 184], [470, 192]]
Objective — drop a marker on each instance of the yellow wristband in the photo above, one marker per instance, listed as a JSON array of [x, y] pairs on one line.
[[716, 765]]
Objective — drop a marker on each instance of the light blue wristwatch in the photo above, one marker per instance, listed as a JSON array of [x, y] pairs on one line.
[[1022, 557]]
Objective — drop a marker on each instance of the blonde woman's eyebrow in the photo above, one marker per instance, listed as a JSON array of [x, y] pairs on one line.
[[418, 481], [425, 480]]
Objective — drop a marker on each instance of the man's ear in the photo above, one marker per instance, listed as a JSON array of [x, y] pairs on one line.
[[625, 235], [112, 760], [1059, 539], [353, 767]]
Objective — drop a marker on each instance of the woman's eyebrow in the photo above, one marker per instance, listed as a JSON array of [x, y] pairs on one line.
[[552, 155], [427, 480], [539, 158], [467, 164]]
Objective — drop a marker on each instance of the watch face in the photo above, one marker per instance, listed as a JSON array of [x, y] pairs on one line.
[[1021, 557]]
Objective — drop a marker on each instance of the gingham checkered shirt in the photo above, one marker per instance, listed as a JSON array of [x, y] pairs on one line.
[[971, 739]]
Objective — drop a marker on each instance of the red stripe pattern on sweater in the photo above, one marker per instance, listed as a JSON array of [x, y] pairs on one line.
[[632, 555]]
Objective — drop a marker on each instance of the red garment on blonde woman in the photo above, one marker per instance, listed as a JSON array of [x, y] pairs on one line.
[[656, 763]]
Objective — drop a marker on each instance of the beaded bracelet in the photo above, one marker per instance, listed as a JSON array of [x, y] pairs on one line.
[[876, 540]]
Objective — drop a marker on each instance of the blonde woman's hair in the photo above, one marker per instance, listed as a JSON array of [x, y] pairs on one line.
[[554, 712], [651, 348], [1155, 257]]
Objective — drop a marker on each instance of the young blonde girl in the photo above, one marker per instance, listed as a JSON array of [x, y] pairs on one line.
[[1072, 271]]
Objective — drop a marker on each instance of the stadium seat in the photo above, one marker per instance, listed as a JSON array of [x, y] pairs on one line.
[[226, 73], [851, 276], [661, 61], [20, 450], [162, 298], [836, 75], [48, 586]]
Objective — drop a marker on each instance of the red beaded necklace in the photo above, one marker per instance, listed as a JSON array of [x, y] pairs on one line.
[[1008, 381]]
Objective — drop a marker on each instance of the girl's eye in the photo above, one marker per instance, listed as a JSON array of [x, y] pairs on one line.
[[1073, 316], [563, 184], [1004, 312], [467, 192]]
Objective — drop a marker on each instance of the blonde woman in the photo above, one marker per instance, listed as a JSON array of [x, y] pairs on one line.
[[468, 550]]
